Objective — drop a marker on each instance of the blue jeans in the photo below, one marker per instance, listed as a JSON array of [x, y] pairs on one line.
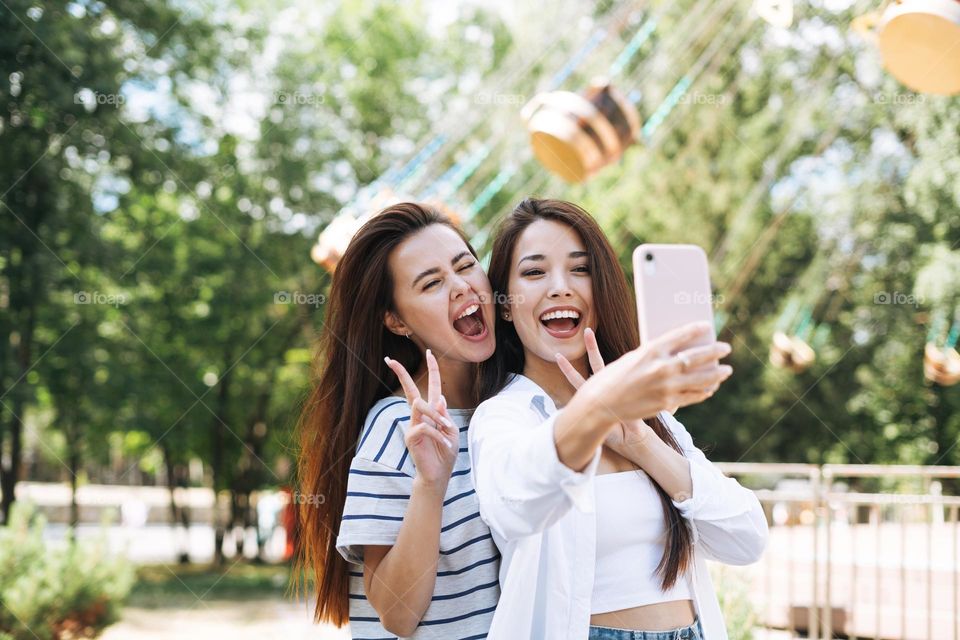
[[692, 632]]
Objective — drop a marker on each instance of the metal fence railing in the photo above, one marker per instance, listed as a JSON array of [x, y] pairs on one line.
[[857, 551]]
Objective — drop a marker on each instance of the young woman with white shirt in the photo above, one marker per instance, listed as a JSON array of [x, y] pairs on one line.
[[602, 507]]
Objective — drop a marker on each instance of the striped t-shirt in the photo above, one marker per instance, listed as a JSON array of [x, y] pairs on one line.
[[378, 491]]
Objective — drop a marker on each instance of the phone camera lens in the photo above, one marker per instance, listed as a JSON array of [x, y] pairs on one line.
[[649, 257]]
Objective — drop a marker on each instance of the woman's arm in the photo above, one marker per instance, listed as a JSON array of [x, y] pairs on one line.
[[639, 384], [522, 485], [527, 475], [399, 580], [580, 429], [727, 518], [664, 464]]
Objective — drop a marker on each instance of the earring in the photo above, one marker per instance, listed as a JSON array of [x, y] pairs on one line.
[[407, 335], [506, 316]]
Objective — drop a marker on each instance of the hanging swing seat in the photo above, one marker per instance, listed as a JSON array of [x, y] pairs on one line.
[[333, 240], [941, 366], [574, 136], [791, 352], [919, 41]]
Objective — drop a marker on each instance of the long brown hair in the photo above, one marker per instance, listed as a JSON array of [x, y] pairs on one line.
[[616, 331], [350, 376]]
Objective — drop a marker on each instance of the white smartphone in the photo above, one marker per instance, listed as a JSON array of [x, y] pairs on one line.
[[673, 289]]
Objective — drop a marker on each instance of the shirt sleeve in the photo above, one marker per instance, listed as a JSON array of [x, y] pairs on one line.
[[380, 481], [727, 519], [521, 484], [377, 499]]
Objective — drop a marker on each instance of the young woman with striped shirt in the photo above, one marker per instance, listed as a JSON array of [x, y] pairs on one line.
[[390, 523]]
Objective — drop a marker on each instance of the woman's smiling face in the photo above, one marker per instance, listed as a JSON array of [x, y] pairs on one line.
[[442, 296], [550, 291]]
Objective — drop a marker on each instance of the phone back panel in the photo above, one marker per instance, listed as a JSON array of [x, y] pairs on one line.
[[673, 289]]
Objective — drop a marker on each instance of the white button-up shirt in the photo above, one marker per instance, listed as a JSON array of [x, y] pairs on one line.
[[542, 517]]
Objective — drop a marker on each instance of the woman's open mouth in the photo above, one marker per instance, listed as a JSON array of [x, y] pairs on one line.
[[470, 324], [561, 323]]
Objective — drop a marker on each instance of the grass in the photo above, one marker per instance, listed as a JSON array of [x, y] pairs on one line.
[[173, 585]]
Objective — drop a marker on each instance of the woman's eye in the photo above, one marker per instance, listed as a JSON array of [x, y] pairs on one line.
[[582, 269], [532, 272], [430, 284], [466, 266]]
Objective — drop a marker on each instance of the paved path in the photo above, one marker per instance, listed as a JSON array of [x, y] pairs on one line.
[[248, 620]]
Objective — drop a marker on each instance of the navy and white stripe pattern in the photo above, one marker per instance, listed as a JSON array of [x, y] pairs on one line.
[[378, 490]]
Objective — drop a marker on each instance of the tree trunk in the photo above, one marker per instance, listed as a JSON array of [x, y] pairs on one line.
[[223, 399], [10, 475], [74, 459], [179, 518]]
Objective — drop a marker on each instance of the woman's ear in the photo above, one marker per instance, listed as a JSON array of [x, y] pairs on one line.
[[395, 325]]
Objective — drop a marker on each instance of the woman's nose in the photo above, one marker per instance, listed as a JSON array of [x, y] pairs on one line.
[[459, 286], [559, 287]]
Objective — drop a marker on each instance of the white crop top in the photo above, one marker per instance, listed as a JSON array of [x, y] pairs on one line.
[[631, 533]]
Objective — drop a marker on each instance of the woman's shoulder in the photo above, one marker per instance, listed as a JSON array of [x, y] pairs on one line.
[[387, 406], [384, 422], [520, 394], [511, 391]]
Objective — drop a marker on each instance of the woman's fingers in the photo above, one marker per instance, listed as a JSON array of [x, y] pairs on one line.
[[593, 354], [593, 350], [433, 379], [695, 381], [425, 410], [423, 430], [680, 338], [451, 433], [573, 376], [406, 382], [694, 397], [699, 356]]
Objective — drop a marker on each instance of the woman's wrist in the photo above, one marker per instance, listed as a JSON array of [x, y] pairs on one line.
[[430, 489], [589, 409], [642, 449]]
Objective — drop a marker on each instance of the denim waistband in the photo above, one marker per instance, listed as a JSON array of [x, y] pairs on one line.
[[690, 632]]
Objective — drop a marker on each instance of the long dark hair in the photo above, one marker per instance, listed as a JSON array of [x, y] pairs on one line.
[[616, 331], [350, 376]]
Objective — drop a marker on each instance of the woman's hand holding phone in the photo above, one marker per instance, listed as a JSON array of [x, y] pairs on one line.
[[632, 433], [667, 372]]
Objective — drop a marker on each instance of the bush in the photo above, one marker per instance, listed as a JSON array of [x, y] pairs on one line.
[[733, 592], [56, 593]]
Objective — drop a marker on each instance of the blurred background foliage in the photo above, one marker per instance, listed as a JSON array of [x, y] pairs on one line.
[[166, 167]]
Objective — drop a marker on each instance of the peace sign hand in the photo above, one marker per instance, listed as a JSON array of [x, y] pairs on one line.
[[432, 439], [669, 371], [628, 434]]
